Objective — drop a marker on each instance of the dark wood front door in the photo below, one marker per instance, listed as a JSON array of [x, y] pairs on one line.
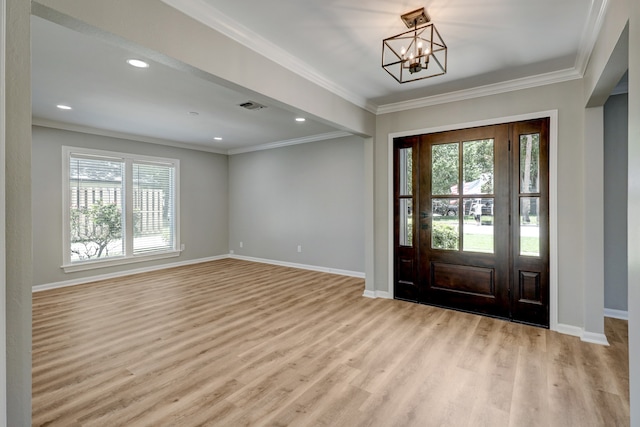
[[471, 220]]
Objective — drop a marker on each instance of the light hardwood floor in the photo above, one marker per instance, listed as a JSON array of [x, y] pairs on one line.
[[233, 343]]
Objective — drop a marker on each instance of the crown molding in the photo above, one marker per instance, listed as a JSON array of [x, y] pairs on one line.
[[480, 91], [122, 135], [313, 138], [202, 11], [139, 138], [590, 33]]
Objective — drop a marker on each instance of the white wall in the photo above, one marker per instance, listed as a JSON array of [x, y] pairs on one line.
[[615, 202], [203, 201], [310, 195], [566, 98]]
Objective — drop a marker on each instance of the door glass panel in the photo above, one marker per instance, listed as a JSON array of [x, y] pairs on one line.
[[406, 222], [529, 163], [477, 166], [477, 227], [529, 226], [445, 225], [406, 171], [444, 169]]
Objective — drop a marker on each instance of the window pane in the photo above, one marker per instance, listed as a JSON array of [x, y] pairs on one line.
[[95, 210], [529, 226], [529, 163], [406, 222], [406, 171], [153, 208], [477, 166], [444, 169], [478, 225], [445, 226]]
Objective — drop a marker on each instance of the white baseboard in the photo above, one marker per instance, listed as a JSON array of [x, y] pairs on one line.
[[369, 294], [79, 281], [616, 314], [376, 294], [579, 332], [569, 330], [594, 338], [349, 273]]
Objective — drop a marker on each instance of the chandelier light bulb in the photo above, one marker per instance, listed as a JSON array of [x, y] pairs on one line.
[[420, 48], [403, 52]]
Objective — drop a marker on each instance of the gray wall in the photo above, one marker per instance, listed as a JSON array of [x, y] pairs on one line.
[[615, 202], [203, 200], [18, 211], [310, 195]]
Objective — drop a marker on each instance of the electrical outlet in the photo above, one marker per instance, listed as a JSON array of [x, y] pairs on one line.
[[241, 244], [299, 248], [182, 247]]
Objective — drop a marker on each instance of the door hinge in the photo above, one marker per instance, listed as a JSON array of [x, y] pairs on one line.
[[509, 145], [509, 219]]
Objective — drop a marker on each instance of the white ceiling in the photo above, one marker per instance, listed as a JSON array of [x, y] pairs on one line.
[[493, 46]]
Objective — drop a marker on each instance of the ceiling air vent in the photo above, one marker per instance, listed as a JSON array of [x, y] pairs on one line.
[[250, 105]]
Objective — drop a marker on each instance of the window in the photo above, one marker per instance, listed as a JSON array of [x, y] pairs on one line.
[[118, 208]]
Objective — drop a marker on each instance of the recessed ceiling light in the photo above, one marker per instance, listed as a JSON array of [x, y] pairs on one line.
[[217, 138], [137, 63], [194, 113], [63, 107], [300, 119]]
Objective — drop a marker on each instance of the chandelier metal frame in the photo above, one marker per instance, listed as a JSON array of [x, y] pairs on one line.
[[417, 54]]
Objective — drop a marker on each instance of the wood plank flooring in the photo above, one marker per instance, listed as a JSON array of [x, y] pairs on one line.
[[234, 343]]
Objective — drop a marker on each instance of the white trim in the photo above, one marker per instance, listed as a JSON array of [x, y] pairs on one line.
[[594, 338], [575, 331], [481, 91], [590, 33], [83, 280], [197, 147], [206, 13], [553, 194], [349, 273], [616, 314], [369, 293], [377, 294], [122, 135], [296, 141]]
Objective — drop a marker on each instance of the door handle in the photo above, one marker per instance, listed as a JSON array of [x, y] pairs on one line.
[[424, 215]]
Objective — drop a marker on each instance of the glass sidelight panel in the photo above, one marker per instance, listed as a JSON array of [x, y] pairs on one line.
[[529, 163], [477, 166], [406, 222], [529, 226], [444, 169], [406, 171], [445, 225], [477, 227]]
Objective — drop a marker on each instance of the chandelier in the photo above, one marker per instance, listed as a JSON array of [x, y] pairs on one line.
[[416, 54]]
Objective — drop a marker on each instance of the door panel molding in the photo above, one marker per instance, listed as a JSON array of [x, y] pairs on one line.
[[553, 196]]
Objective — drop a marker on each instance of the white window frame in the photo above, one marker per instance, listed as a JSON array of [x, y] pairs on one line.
[[128, 257]]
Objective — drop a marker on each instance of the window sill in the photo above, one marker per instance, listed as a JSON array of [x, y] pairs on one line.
[[103, 263]]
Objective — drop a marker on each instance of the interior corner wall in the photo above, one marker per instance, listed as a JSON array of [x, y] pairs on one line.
[[615, 202], [308, 195], [203, 201], [567, 99]]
